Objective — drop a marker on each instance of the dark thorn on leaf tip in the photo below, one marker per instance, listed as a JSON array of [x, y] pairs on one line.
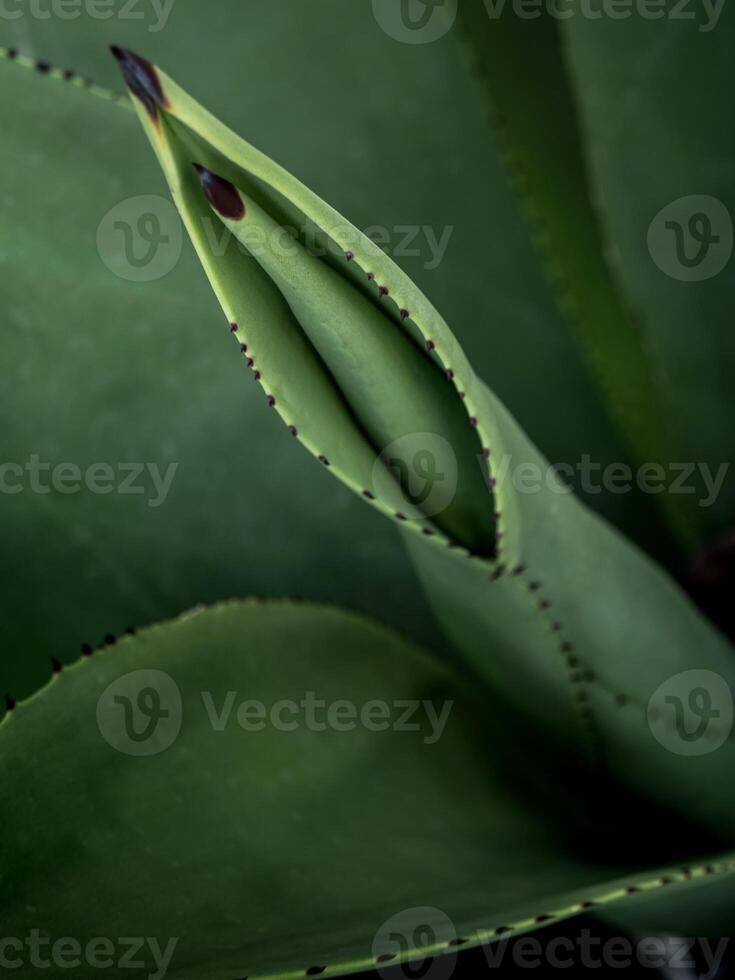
[[56, 665], [323, 460], [368, 494], [9, 703], [271, 401], [221, 194], [293, 430], [142, 80], [404, 314]]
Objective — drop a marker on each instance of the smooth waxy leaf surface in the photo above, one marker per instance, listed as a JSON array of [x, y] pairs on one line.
[[585, 632], [182, 792]]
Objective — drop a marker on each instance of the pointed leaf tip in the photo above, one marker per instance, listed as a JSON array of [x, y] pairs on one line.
[[221, 194], [141, 78]]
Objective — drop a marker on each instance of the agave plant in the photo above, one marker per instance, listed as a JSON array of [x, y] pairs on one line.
[[519, 716]]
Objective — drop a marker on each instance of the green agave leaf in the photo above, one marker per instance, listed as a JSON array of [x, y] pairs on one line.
[[660, 161], [99, 371], [584, 630], [446, 215], [532, 109], [258, 842]]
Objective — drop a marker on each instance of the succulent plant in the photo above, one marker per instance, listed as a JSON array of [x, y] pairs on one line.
[[269, 787]]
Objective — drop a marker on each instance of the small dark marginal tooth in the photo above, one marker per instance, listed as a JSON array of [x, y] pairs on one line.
[[9, 703], [86, 650], [110, 640], [385, 957], [221, 194], [142, 79], [243, 348], [383, 290], [631, 890], [565, 647], [12, 53], [400, 516], [427, 531], [492, 482], [130, 631], [323, 460], [404, 313], [543, 918], [687, 872], [450, 374], [256, 375], [68, 74], [314, 971], [430, 345], [349, 256], [666, 881], [56, 665], [233, 328], [498, 535], [370, 275], [588, 905], [473, 421], [555, 626], [572, 663], [250, 362], [43, 67], [293, 430], [462, 395], [544, 604], [519, 569], [457, 942], [271, 401], [485, 453], [534, 586], [368, 494], [502, 930], [498, 573]]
